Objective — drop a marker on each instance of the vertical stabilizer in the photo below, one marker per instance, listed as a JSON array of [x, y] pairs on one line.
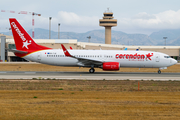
[[22, 39]]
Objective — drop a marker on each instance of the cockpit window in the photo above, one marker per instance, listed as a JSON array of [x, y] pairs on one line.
[[167, 57]]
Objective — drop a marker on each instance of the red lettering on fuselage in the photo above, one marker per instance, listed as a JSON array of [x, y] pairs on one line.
[[134, 56]]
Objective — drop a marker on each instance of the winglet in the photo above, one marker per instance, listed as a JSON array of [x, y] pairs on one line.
[[65, 51]]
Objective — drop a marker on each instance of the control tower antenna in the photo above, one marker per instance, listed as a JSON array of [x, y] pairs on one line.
[[108, 22]]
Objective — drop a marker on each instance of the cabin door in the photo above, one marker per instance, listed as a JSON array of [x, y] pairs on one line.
[[39, 56], [157, 57]]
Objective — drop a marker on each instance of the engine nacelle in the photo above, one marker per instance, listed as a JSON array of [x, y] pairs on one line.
[[111, 66]]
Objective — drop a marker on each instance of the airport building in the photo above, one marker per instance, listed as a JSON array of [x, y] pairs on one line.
[[173, 51]]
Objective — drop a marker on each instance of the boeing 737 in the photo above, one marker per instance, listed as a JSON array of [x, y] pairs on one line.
[[108, 60]]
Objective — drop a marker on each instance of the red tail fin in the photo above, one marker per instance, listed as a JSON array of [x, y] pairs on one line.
[[22, 39]]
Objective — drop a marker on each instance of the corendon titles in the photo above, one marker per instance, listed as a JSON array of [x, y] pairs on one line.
[[21, 35], [133, 57], [18, 31]]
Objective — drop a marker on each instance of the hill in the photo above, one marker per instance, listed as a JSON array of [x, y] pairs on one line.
[[118, 37], [173, 37], [97, 36]]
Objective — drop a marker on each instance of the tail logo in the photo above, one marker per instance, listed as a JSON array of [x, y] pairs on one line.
[[25, 44], [21, 35]]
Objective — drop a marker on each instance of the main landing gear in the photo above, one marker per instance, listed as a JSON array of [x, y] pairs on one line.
[[91, 70], [159, 71]]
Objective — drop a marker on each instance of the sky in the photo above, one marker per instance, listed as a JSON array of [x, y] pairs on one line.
[[133, 16]]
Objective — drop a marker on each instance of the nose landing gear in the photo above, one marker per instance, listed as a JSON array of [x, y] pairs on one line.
[[161, 68], [159, 71]]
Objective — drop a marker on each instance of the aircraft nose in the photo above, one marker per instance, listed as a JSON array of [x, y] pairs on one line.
[[174, 61]]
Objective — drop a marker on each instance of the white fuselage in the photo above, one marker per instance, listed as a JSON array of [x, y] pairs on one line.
[[127, 58]]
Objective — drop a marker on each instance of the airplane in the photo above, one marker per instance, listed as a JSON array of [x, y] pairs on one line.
[[125, 48], [71, 48], [108, 60]]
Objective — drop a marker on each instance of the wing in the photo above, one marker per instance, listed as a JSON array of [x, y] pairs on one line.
[[82, 61], [17, 51]]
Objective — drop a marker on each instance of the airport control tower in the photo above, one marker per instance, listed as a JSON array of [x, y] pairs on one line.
[[108, 22]]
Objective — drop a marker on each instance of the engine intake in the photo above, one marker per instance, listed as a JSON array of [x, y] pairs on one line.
[[111, 66]]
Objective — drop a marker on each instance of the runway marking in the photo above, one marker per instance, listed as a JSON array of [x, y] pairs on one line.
[[3, 72], [29, 72]]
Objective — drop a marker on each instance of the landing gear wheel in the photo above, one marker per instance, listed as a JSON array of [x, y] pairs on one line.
[[91, 70], [159, 72]]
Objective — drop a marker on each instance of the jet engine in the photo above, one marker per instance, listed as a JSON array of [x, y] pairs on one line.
[[111, 66]]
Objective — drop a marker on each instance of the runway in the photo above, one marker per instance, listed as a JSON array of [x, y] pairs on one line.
[[88, 76]]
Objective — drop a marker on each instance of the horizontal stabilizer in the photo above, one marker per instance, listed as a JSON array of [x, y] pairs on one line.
[[17, 51]]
